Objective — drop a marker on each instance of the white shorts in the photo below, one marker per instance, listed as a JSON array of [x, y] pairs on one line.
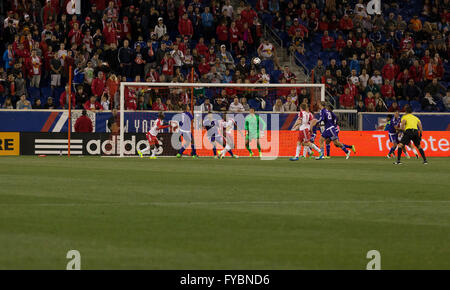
[[55, 80]]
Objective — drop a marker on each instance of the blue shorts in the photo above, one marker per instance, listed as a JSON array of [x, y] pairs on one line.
[[393, 137], [330, 133]]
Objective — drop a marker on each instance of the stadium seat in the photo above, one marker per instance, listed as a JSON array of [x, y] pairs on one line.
[[402, 103], [254, 104], [415, 105], [34, 93]]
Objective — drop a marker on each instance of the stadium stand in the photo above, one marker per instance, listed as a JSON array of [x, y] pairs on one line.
[[156, 40]]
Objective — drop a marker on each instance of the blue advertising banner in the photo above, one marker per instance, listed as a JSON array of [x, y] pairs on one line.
[[135, 122], [430, 122]]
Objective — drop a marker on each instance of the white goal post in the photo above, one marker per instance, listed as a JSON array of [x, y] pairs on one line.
[[199, 85]]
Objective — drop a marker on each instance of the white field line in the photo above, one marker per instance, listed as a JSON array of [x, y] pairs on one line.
[[184, 203]]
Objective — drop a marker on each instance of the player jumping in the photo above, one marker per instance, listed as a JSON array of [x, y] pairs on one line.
[[330, 132], [252, 129], [185, 132], [227, 126], [151, 136], [303, 124]]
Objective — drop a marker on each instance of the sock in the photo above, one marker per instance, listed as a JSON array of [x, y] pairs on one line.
[[314, 146], [259, 147], [297, 151], [231, 152], [153, 152], [248, 147], [181, 150], [347, 146], [406, 151], [344, 149], [415, 152], [214, 150], [399, 154], [422, 153], [305, 151], [147, 149], [321, 151], [310, 151], [392, 150], [193, 153], [328, 149]]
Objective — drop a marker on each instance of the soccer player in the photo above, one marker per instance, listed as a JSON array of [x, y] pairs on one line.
[[412, 128], [212, 132], [313, 138], [151, 136], [330, 131], [252, 129], [227, 126], [392, 126], [186, 134], [303, 124]]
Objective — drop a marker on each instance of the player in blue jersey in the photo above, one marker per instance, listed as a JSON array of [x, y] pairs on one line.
[[316, 128], [393, 126], [330, 132], [212, 132], [186, 133]]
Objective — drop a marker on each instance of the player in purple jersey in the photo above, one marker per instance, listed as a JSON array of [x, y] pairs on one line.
[[328, 141], [330, 132], [186, 133]]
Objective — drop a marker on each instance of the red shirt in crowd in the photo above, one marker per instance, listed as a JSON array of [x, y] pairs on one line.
[[347, 100], [327, 42], [92, 105], [83, 125]]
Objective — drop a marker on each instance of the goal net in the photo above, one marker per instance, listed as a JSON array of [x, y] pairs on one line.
[[275, 104]]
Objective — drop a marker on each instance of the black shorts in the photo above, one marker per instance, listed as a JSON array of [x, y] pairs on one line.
[[411, 135]]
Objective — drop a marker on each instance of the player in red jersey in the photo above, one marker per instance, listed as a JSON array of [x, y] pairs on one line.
[[151, 136], [303, 124]]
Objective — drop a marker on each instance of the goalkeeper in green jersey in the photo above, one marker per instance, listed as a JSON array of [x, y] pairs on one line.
[[253, 125]]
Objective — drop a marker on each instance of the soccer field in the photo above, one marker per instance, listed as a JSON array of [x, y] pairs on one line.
[[242, 213]]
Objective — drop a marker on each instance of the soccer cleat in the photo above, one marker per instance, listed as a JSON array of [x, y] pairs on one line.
[[320, 157], [397, 163], [354, 149], [293, 159], [417, 155], [347, 155], [194, 156], [251, 154], [327, 157], [260, 154], [235, 156], [140, 153], [152, 157], [425, 162], [178, 155], [216, 157]]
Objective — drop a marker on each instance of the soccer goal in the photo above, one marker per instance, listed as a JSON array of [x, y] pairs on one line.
[[201, 98]]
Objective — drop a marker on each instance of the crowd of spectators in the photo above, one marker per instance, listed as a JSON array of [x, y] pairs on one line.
[[107, 42], [368, 63]]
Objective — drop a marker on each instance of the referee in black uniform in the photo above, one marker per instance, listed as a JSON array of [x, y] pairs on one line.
[[412, 128]]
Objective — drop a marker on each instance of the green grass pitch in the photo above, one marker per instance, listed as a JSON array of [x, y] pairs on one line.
[[243, 213]]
